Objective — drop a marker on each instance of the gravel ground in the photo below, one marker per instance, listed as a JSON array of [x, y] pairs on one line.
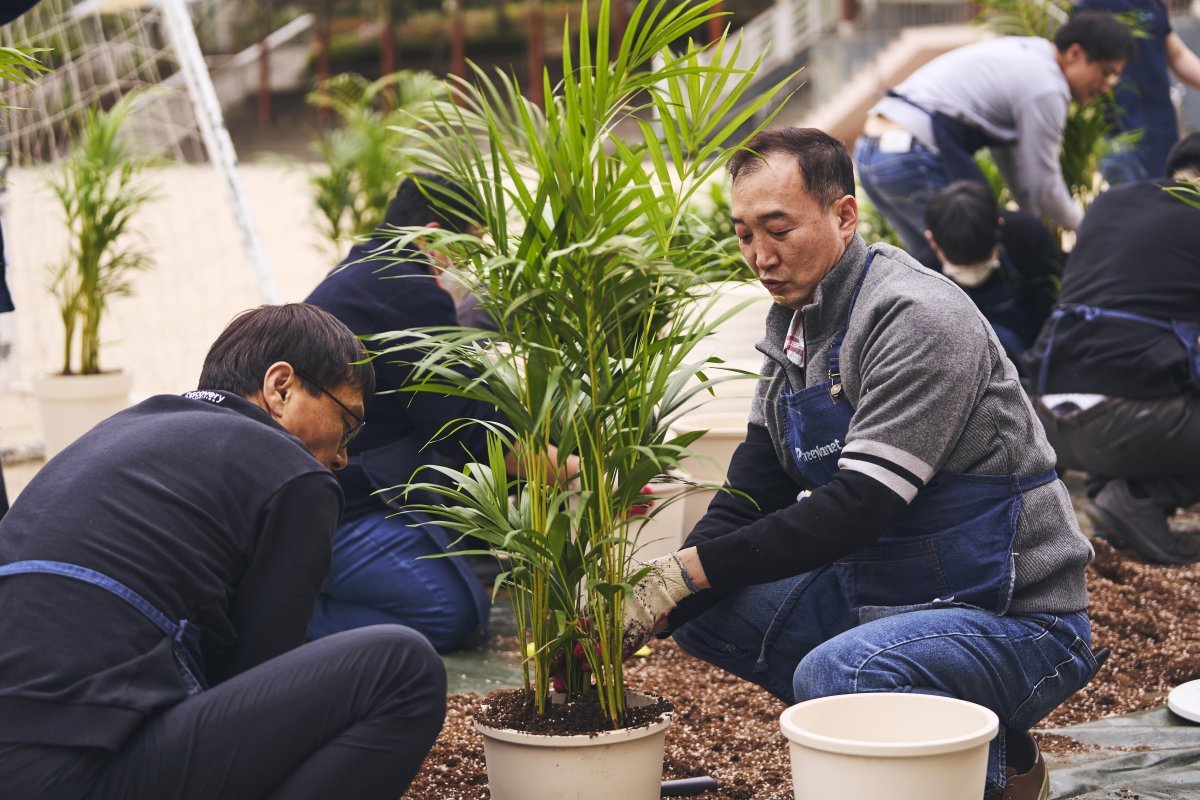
[[728, 728]]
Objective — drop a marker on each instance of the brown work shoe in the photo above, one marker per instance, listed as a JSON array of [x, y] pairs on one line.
[[1034, 782]]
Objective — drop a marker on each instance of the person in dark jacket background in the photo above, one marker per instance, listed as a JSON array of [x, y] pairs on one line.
[[1116, 369], [157, 578], [380, 572], [1007, 262]]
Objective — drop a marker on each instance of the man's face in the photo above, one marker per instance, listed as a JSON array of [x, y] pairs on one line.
[[789, 241], [1089, 79], [320, 422]]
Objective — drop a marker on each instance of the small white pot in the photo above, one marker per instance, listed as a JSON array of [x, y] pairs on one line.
[[713, 451], [895, 745], [662, 533], [71, 405], [624, 764]]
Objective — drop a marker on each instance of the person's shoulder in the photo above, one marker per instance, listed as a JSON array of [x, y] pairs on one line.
[[901, 288], [1130, 194], [896, 272], [370, 283]]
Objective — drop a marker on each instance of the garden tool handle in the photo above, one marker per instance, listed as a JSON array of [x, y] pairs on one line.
[[688, 786]]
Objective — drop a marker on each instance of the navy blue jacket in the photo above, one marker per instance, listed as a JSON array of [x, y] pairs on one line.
[[208, 509], [375, 292]]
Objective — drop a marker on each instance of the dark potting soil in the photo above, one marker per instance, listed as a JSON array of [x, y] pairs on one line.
[[729, 729], [515, 709]]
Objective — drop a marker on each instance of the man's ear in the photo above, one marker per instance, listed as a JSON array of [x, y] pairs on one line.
[[279, 381], [847, 214]]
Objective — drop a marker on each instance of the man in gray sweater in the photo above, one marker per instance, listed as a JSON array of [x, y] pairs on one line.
[[1010, 95], [897, 524]]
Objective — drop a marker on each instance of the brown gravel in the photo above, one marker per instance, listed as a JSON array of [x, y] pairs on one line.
[[728, 728]]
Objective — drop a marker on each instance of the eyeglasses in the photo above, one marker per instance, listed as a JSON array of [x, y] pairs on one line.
[[359, 422]]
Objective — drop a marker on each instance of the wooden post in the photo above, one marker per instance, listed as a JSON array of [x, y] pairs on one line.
[[458, 39], [620, 18], [537, 55], [264, 65], [716, 26], [324, 35], [387, 39]]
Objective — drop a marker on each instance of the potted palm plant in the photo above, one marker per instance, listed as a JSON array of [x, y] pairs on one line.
[[594, 270], [100, 189]]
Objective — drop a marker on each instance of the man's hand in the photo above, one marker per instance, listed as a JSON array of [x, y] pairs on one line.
[[653, 598]]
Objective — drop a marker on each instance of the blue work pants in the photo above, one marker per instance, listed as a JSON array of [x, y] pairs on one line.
[[799, 639]]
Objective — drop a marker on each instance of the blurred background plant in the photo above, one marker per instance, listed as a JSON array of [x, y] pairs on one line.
[[360, 159], [100, 188], [872, 225]]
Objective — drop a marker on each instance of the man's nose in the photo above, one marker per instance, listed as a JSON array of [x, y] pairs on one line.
[[765, 257]]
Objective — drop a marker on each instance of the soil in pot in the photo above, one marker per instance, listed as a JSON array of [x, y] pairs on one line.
[[515, 709]]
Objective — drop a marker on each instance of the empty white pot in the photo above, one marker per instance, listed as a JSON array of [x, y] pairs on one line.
[[895, 745]]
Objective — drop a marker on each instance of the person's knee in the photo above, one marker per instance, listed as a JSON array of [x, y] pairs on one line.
[[844, 668], [400, 662], [453, 621]]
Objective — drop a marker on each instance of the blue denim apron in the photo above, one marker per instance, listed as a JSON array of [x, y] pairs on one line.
[[951, 546], [185, 637], [1188, 334], [957, 142]]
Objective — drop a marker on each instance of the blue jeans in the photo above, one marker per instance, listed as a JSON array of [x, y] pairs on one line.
[[900, 185], [1123, 166], [799, 639], [379, 576]]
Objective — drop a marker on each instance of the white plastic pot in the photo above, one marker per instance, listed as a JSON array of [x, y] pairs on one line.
[[735, 338], [625, 764], [725, 431], [714, 450], [662, 533], [895, 745], [71, 405]]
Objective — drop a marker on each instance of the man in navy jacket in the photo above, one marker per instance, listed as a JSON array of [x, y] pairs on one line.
[[157, 578]]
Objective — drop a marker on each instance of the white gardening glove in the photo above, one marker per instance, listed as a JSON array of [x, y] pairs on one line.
[[653, 598]]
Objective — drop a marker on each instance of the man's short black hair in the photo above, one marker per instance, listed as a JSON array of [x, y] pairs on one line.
[[423, 197], [312, 340], [964, 219], [1102, 36], [1185, 154], [823, 161]]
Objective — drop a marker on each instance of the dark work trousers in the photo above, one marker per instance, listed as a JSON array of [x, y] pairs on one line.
[[351, 715], [1155, 443]]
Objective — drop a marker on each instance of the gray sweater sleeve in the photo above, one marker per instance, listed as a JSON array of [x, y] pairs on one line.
[[1035, 173]]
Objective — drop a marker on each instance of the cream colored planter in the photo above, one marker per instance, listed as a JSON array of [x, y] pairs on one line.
[[734, 339], [714, 450], [895, 745], [662, 533], [624, 764], [71, 405]]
